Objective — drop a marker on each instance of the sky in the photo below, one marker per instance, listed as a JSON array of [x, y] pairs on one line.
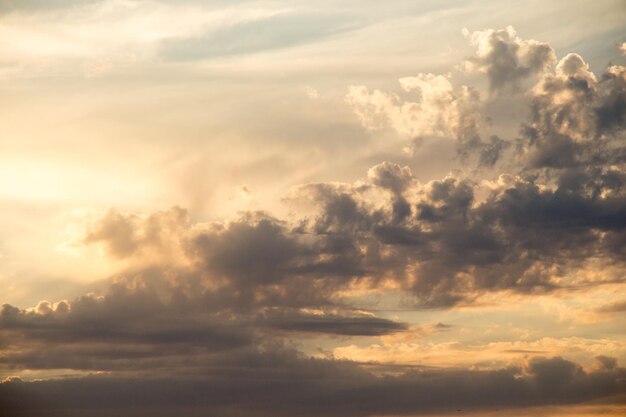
[[330, 208]]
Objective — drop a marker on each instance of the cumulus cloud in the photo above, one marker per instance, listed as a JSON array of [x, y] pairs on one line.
[[568, 163], [449, 244], [439, 110], [445, 241], [507, 59], [576, 121], [575, 118]]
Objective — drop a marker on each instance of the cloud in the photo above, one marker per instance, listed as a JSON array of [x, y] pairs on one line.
[[359, 325], [456, 245], [88, 38], [439, 241], [222, 300], [125, 329], [208, 317], [315, 388], [568, 161], [426, 344], [38, 5], [440, 110], [617, 307], [391, 176], [127, 235], [282, 30], [507, 59], [575, 119]]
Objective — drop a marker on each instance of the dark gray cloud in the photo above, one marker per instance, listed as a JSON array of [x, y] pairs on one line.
[[489, 152], [126, 316], [154, 319], [249, 383], [331, 323], [250, 251], [129, 328], [519, 238], [391, 177]]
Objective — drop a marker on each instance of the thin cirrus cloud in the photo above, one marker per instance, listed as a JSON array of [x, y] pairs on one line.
[[378, 291], [275, 32]]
